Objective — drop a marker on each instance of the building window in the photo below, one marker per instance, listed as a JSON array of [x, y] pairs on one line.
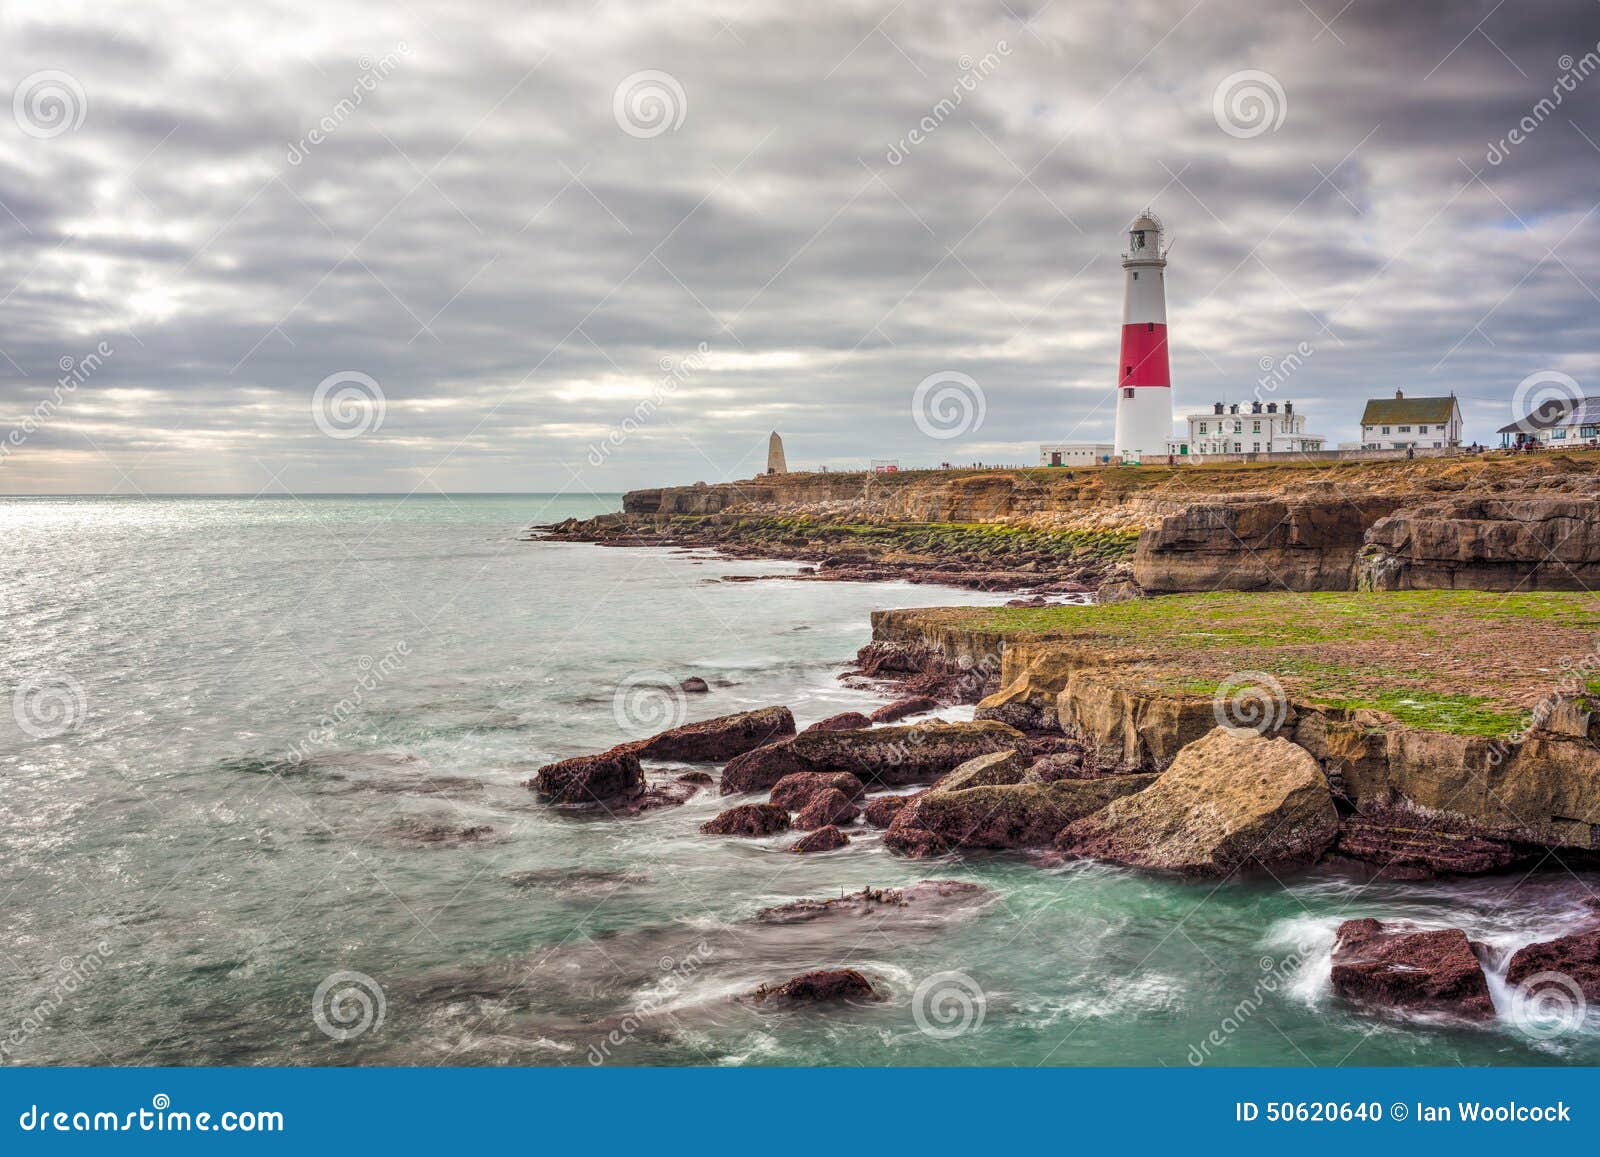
[[1255, 447], [1560, 431], [1202, 427], [1385, 429], [1589, 432], [1405, 429], [1238, 427], [1136, 278], [1422, 429], [1127, 393], [1255, 427]]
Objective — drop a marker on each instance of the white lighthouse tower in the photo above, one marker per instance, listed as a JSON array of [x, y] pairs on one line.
[[1144, 383]]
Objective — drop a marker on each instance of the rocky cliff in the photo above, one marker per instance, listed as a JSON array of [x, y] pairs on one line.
[[1489, 522]]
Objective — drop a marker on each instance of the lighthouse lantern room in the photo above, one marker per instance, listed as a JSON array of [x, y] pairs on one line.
[[1144, 385]]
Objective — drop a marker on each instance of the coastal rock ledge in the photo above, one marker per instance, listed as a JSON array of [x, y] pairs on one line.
[[881, 756]]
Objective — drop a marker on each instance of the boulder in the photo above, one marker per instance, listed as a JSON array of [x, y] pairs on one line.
[[700, 777], [845, 721], [748, 819], [824, 839], [1577, 957], [825, 984], [827, 807], [1230, 801], [1000, 816], [885, 756], [992, 770], [591, 780], [694, 685], [900, 708], [717, 739], [880, 812], [1397, 966], [795, 791]]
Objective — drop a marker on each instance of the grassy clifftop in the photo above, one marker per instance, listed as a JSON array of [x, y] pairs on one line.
[[1465, 662]]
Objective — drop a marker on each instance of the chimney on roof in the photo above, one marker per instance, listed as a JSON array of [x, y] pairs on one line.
[[1272, 407], [1216, 408], [1398, 395], [1288, 407]]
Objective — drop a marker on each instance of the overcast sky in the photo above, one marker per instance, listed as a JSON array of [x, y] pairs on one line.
[[588, 247]]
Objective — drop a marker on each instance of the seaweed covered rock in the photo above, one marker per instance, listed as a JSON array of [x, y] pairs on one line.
[[823, 984], [1000, 816], [590, 781], [717, 739], [748, 819], [830, 806], [884, 756], [1396, 966], [795, 791]]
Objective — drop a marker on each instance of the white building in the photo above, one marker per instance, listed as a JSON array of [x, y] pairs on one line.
[[1402, 423], [1247, 428], [1076, 453], [1558, 423]]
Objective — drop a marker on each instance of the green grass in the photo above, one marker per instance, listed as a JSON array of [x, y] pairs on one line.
[[1464, 662]]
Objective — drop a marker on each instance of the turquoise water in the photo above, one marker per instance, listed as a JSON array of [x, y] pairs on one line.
[[258, 746]]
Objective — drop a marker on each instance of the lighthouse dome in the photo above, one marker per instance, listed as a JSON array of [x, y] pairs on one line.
[[1145, 235]]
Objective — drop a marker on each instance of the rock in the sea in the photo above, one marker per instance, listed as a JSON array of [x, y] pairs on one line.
[[1230, 801], [900, 708], [824, 839], [748, 819], [591, 780], [694, 685], [1399, 967], [795, 791], [888, 756], [1002, 816], [700, 777], [717, 739], [931, 896], [1577, 957], [827, 807], [844, 721], [992, 770], [880, 812], [825, 984], [439, 834]]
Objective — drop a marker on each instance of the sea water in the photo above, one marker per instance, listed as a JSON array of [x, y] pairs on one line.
[[262, 802]]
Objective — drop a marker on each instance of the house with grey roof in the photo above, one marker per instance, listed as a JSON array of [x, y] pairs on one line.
[[1555, 423], [1402, 423]]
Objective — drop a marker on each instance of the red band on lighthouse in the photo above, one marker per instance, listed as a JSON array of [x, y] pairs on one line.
[[1144, 355]]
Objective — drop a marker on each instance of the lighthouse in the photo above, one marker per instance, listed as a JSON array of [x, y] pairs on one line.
[[1144, 386]]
